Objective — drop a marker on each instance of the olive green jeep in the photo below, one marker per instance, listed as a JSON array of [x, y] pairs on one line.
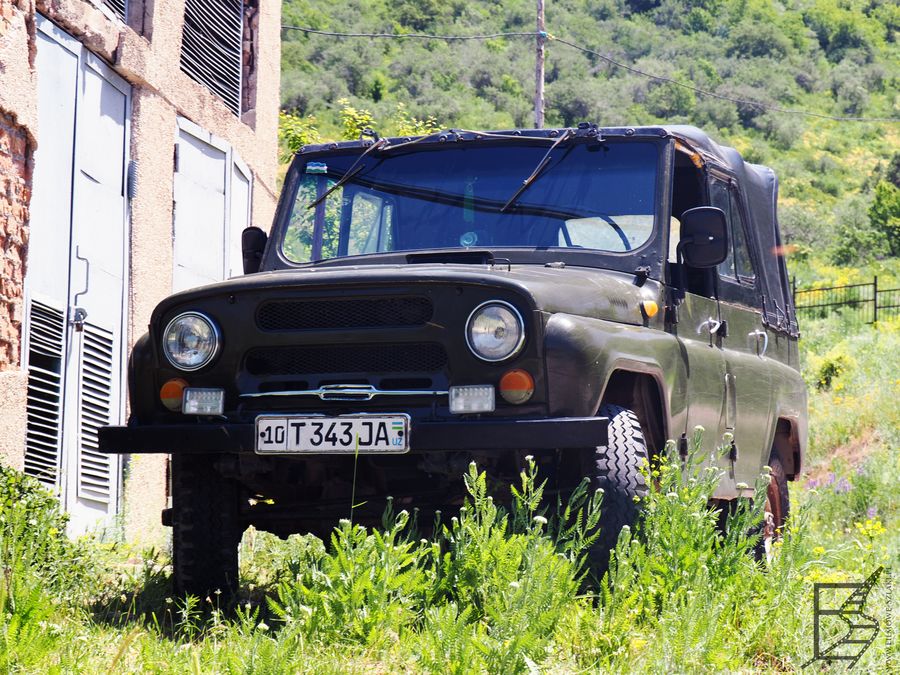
[[580, 295]]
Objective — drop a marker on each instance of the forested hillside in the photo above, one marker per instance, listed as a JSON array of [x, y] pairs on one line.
[[840, 179]]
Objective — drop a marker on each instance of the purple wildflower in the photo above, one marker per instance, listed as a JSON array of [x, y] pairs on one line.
[[861, 470], [872, 512], [812, 483], [842, 486], [830, 479]]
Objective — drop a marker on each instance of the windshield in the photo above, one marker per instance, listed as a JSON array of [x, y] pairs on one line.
[[596, 195]]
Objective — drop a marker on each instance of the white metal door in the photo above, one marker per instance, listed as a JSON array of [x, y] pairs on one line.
[[212, 206], [83, 219]]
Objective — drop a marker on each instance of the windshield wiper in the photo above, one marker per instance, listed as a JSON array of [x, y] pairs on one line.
[[354, 169], [537, 170]]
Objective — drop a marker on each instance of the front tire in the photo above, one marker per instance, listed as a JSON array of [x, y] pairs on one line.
[[206, 530], [616, 468]]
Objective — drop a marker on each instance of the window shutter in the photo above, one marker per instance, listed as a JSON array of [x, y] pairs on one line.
[[117, 7], [211, 47], [95, 470], [46, 334]]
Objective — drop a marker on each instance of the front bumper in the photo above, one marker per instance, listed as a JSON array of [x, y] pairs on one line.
[[563, 433]]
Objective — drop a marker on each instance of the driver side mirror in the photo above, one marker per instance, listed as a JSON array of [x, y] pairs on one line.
[[253, 243], [704, 237]]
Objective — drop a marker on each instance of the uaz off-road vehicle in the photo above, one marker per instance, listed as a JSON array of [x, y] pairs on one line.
[[580, 295]]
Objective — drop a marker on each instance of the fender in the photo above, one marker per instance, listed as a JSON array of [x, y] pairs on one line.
[[789, 410], [582, 354]]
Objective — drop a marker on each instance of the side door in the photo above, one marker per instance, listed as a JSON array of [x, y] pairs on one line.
[[748, 397], [213, 193], [698, 318], [76, 280]]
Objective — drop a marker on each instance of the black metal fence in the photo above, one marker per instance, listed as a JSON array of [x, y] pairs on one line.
[[865, 303]]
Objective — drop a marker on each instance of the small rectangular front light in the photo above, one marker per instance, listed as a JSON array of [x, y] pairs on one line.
[[198, 401], [472, 398]]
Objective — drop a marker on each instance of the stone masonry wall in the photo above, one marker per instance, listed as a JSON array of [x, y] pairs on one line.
[[15, 189]]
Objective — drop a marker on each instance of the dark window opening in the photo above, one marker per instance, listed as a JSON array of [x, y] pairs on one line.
[[688, 192], [211, 47]]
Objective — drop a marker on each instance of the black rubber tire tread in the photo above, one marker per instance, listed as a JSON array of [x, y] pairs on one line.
[[783, 494], [618, 472], [206, 530], [759, 550]]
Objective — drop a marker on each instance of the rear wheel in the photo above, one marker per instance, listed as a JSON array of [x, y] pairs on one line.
[[206, 529], [616, 468], [776, 509]]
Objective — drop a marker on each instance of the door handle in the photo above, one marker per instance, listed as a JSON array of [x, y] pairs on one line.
[[756, 335], [79, 314], [711, 325]]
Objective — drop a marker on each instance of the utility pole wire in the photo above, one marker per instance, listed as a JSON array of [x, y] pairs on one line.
[[540, 39], [659, 78], [404, 36]]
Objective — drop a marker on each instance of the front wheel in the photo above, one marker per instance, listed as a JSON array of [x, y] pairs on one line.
[[616, 468], [206, 529]]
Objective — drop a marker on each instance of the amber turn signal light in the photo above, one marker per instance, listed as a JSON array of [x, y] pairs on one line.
[[172, 392], [650, 308], [516, 386]]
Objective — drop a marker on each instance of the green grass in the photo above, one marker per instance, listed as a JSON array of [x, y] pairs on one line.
[[497, 590]]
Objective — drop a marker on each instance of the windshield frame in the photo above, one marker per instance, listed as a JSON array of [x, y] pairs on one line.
[[648, 254]]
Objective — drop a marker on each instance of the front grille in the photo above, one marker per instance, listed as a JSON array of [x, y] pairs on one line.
[[336, 313], [324, 359]]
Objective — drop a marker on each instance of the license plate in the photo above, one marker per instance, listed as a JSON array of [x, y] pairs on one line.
[[347, 434]]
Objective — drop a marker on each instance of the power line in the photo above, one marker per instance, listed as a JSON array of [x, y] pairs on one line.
[[404, 36], [659, 78]]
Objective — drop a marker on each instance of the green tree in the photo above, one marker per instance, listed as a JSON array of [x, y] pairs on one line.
[[884, 214]]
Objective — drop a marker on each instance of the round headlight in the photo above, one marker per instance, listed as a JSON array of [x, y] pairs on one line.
[[495, 331], [191, 341]]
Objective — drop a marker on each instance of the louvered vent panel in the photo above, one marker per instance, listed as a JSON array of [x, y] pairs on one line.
[[211, 47], [46, 331], [96, 376], [117, 6]]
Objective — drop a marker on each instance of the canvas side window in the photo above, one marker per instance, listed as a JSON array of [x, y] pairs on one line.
[[742, 262], [720, 198]]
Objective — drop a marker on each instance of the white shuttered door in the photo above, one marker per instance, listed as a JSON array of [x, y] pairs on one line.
[[213, 191], [79, 215]]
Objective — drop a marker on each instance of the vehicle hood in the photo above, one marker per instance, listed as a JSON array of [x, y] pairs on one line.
[[587, 292]]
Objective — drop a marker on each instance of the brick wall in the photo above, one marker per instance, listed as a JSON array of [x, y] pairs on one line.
[[15, 191]]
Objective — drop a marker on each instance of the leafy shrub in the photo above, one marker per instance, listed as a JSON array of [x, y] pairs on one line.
[[33, 539], [38, 565], [491, 586], [294, 132]]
